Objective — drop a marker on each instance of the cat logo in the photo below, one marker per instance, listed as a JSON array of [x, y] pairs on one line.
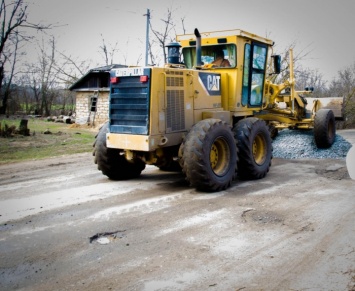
[[211, 83]]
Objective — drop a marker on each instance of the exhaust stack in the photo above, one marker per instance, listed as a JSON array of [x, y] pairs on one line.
[[198, 48]]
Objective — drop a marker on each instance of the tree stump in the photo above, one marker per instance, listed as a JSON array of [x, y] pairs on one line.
[[23, 129]]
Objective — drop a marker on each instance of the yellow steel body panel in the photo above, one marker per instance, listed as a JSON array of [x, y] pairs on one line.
[[179, 98], [145, 143], [198, 102], [191, 98], [129, 141], [222, 115], [229, 34], [201, 98], [194, 96], [284, 121]]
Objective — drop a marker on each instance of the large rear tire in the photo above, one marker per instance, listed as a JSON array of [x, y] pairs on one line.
[[324, 128], [255, 148], [111, 162], [208, 156]]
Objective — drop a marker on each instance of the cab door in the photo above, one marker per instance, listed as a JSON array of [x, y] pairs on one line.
[[255, 55]]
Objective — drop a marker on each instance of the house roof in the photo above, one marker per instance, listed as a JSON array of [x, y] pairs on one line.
[[95, 78]]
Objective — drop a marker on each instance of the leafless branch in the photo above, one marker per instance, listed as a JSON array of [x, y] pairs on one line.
[[163, 36]]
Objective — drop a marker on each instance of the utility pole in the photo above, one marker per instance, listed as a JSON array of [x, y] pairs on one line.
[[147, 37]]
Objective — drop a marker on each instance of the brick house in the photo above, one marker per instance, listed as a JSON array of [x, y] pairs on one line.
[[92, 95]]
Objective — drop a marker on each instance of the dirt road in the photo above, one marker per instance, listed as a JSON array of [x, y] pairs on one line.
[[64, 226]]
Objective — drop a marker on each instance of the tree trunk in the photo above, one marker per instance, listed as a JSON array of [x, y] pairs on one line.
[[3, 94], [23, 127]]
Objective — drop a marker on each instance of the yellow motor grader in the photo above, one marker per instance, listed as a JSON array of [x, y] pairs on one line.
[[208, 112]]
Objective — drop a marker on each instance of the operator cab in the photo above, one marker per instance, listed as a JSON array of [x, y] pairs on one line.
[[246, 55]]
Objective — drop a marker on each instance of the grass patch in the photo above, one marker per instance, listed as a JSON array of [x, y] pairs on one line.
[[64, 139]]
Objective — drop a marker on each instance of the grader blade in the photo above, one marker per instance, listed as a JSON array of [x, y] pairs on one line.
[[336, 104], [350, 162]]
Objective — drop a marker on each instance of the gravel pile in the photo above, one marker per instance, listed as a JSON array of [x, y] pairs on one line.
[[298, 144]]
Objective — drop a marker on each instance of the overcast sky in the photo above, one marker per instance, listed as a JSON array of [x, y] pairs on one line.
[[324, 28]]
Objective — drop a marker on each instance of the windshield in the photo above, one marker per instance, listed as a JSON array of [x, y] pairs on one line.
[[218, 55]]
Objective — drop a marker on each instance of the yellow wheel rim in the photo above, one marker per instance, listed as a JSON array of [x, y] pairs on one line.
[[259, 149], [220, 156]]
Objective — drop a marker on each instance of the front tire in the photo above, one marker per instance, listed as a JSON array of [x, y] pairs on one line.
[[324, 128], [255, 148], [208, 156], [110, 161]]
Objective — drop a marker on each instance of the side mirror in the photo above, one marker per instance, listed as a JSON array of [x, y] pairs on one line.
[[277, 63]]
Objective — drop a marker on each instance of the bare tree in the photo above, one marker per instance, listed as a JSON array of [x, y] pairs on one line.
[[163, 36], [13, 17], [152, 55], [9, 56], [183, 25], [25, 94], [344, 86], [298, 56], [44, 82], [311, 78], [70, 68], [108, 53]]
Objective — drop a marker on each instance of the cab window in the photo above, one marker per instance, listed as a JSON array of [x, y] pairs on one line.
[[211, 55], [253, 74]]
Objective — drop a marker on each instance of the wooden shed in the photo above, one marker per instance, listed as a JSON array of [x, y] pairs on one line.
[[92, 95]]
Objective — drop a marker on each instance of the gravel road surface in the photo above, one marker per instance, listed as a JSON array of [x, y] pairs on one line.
[[65, 226]]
